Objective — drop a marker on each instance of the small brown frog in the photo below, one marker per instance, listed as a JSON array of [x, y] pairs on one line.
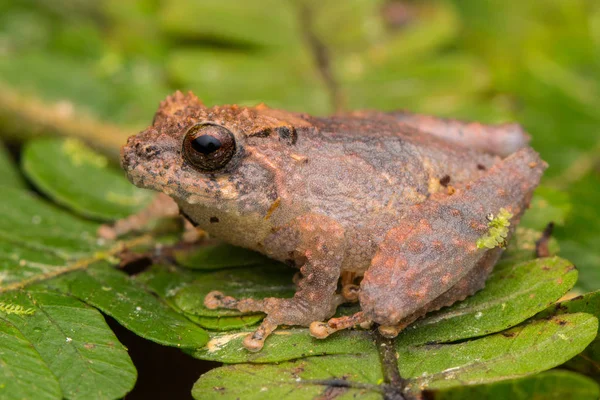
[[400, 206]]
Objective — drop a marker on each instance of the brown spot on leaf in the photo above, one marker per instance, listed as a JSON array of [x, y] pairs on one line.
[[89, 346], [509, 334], [331, 392], [298, 370]]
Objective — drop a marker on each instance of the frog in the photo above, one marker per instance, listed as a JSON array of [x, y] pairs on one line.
[[384, 209]]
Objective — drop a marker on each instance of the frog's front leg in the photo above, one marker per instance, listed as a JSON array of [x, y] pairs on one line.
[[317, 244], [162, 206]]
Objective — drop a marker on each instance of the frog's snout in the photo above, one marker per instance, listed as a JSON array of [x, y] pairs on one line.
[[129, 155]]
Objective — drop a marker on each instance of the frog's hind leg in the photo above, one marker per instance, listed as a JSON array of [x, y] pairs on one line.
[[467, 286], [318, 244], [444, 239]]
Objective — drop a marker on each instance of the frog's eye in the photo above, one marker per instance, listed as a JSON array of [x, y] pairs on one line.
[[208, 147]]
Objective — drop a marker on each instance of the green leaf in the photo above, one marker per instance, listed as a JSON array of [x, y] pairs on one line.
[[548, 205], [512, 294], [55, 92], [426, 86], [216, 256], [186, 290], [522, 247], [303, 379], [555, 384], [284, 344], [231, 20], [588, 361], [579, 237], [9, 176], [166, 282], [23, 373], [374, 27], [27, 220], [79, 178], [226, 323], [75, 343], [124, 299], [525, 349], [21, 264], [39, 241], [230, 76], [586, 303]]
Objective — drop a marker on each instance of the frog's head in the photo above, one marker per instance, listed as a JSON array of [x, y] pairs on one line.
[[224, 158]]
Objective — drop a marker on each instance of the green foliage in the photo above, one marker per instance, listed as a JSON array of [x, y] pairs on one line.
[[111, 197], [216, 256], [551, 385], [121, 297], [426, 367], [24, 374], [95, 71], [74, 343], [303, 379], [10, 176]]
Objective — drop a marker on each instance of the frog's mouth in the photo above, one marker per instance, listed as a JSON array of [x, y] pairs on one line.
[[162, 169]]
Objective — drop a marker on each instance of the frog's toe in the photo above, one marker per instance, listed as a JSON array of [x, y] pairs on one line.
[[391, 331], [216, 299], [255, 341], [350, 292], [321, 330]]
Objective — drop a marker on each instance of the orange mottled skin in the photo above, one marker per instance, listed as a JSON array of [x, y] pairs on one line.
[[394, 202]]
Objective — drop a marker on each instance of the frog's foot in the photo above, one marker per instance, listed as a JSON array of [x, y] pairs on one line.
[[295, 311], [349, 288], [350, 293], [321, 330]]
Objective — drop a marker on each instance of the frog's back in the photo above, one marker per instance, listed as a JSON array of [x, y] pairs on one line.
[[357, 168]]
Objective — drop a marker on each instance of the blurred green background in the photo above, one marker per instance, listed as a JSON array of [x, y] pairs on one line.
[[97, 70]]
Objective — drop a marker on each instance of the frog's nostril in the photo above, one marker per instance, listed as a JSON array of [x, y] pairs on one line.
[[150, 150]]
